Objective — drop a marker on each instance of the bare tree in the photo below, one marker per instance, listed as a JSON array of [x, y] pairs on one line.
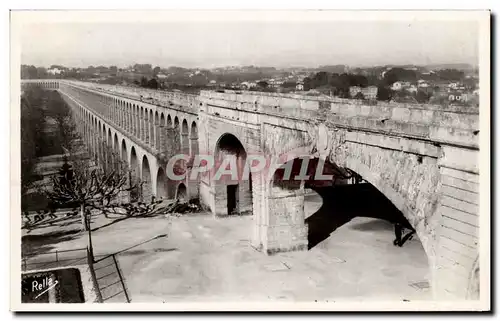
[[88, 187]]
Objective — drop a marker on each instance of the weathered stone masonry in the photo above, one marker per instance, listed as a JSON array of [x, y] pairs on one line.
[[423, 158]]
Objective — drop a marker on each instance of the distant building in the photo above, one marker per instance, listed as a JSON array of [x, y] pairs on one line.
[[299, 86], [400, 85], [248, 84], [54, 71], [458, 97], [422, 84], [455, 86], [412, 89], [161, 76], [369, 92]]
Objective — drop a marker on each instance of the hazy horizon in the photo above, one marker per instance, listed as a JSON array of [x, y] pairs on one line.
[[258, 43]]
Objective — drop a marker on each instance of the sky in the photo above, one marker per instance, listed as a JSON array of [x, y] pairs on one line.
[[208, 44]]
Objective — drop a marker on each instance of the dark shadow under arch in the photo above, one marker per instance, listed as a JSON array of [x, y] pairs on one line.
[[233, 195], [181, 193]]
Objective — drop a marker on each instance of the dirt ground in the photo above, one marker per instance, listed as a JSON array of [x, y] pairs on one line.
[[203, 258]]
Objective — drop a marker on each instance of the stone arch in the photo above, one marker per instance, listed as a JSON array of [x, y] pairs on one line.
[[116, 147], [194, 148], [157, 129], [351, 184], [176, 135], [162, 135], [100, 138], [127, 117], [134, 174], [134, 119], [161, 184], [143, 121], [181, 193], [109, 152], [151, 129], [233, 192], [110, 141], [116, 151], [147, 191], [185, 137], [185, 127], [124, 153]]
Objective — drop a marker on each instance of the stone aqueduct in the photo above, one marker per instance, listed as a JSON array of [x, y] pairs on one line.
[[424, 159]]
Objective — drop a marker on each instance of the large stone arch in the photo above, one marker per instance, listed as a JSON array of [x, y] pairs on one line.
[[395, 202], [232, 192], [146, 180]]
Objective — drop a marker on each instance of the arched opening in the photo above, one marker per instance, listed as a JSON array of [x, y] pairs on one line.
[[151, 128], [116, 149], [99, 143], [181, 194], [134, 175], [156, 131], [135, 130], [147, 191], [169, 121], [185, 138], [323, 205], [162, 135], [142, 122], [161, 184], [176, 136], [124, 152], [194, 139], [110, 155], [233, 192]]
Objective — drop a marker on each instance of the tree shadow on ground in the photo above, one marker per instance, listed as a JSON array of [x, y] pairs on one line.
[[129, 251], [61, 221], [342, 203], [36, 244]]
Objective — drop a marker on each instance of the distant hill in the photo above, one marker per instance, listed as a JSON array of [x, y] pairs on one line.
[[464, 67], [336, 69]]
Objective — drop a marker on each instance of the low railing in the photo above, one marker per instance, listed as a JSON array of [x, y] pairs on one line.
[[53, 259]]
